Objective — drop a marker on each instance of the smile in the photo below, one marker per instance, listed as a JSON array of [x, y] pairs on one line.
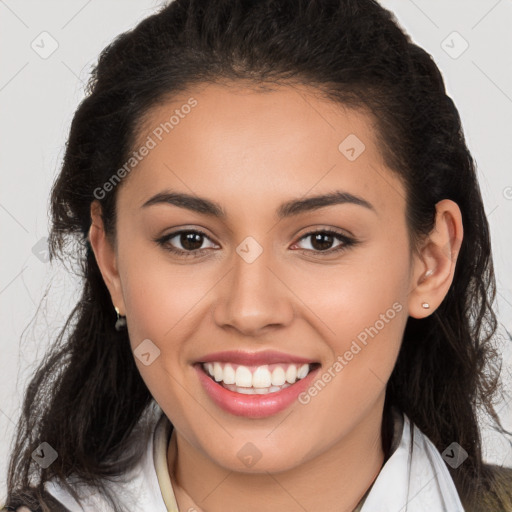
[[253, 389], [248, 380]]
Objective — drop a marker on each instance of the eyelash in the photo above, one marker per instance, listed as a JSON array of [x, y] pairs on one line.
[[164, 242]]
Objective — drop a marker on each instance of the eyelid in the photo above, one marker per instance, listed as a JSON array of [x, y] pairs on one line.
[[315, 228]]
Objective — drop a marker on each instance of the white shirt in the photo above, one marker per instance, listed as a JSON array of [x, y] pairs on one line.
[[415, 478]]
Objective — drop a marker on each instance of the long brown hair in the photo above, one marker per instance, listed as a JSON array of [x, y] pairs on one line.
[[87, 397]]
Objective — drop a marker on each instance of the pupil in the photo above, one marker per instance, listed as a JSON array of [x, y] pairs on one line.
[[187, 241], [318, 238]]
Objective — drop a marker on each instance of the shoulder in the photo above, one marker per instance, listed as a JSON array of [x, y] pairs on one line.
[[500, 472], [133, 487], [73, 493], [491, 490], [494, 490], [45, 500], [499, 482]]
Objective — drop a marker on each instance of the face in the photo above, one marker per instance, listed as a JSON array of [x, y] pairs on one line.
[[278, 281]]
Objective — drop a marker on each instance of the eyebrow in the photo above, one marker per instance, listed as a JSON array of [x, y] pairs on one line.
[[288, 209]]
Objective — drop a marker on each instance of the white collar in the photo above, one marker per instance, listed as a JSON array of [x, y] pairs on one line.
[[414, 479]]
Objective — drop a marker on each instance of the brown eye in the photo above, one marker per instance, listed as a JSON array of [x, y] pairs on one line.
[[322, 242], [190, 240]]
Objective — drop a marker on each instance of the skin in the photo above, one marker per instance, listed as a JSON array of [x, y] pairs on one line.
[[251, 151]]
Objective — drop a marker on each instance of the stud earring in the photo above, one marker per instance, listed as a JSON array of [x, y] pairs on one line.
[[429, 273], [121, 320], [426, 305]]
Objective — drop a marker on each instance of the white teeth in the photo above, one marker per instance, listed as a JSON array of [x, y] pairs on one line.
[[245, 391], [243, 377], [303, 371], [255, 391], [229, 374], [217, 372], [291, 374], [278, 376], [260, 380], [261, 377]]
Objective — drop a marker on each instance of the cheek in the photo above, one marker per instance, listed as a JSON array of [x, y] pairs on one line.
[[365, 333], [160, 295], [164, 304], [360, 307], [366, 316], [367, 288]]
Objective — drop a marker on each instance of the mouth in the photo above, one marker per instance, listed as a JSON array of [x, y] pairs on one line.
[[257, 391], [256, 379]]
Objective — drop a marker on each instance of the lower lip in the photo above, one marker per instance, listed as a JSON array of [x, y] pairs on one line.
[[253, 406]]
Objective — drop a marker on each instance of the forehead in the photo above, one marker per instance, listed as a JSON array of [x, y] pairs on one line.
[[235, 142]]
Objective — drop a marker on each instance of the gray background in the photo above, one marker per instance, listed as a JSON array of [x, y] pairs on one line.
[[39, 92]]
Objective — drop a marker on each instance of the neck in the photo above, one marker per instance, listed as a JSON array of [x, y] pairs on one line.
[[335, 480]]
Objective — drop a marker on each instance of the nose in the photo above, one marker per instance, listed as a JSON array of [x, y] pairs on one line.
[[254, 296]]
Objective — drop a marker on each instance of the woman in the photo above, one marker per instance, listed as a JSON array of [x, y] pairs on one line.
[[287, 276]]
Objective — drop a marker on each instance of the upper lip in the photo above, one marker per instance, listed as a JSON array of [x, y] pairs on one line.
[[253, 358]]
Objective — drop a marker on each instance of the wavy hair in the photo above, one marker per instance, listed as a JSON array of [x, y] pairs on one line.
[[87, 398]]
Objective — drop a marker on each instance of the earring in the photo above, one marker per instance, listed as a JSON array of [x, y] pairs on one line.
[[121, 320], [428, 273]]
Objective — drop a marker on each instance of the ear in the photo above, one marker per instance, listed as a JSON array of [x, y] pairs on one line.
[[434, 266], [106, 257]]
